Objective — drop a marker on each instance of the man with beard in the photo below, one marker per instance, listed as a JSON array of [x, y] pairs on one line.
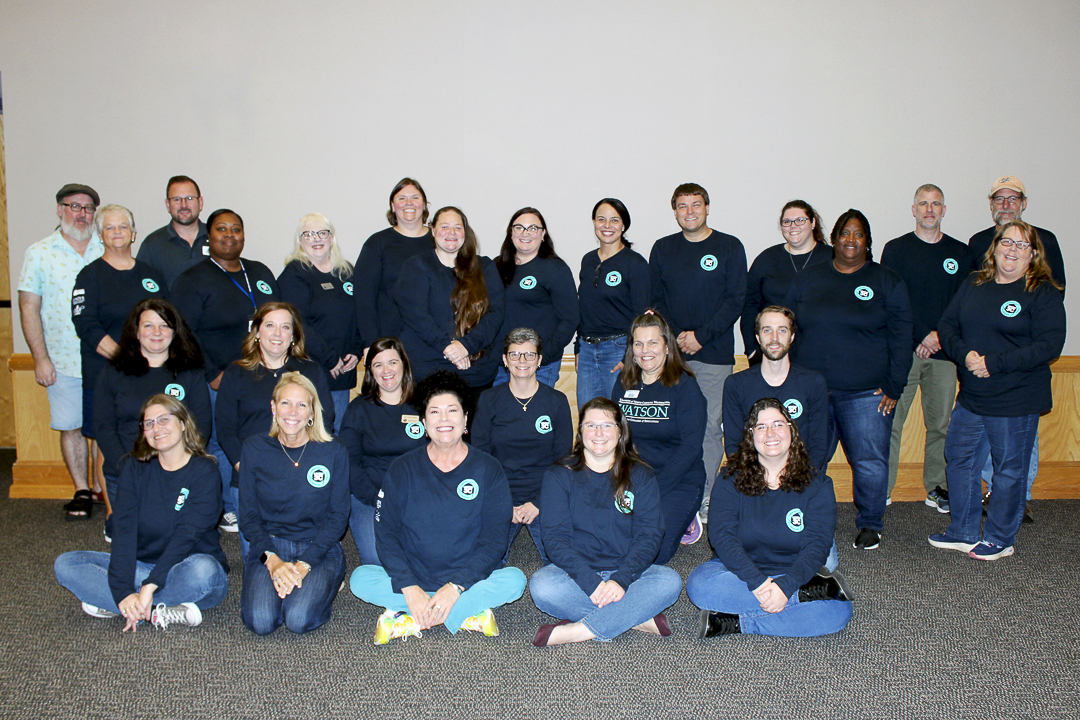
[[932, 264], [174, 248], [45, 301], [803, 393]]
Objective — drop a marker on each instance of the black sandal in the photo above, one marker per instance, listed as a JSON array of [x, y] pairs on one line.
[[81, 506]]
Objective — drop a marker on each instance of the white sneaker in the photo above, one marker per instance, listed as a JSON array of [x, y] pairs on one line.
[[184, 614], [228, 523], [95, 611]]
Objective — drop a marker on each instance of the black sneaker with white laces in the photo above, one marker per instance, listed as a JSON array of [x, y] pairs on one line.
[[867, 539], [938, 498], [714, 624], [228, 522]]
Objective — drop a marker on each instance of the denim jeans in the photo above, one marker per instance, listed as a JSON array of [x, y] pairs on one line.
[[199, 578], [713, 587], [306, 607], [224, 466], [937, 380], [341, 404], [362, 525], [234, 495], [371, 584], [556, 593], [854, 420], [547, 374], [534, 530], [594, 376], [1032, 473], [1008, 441]]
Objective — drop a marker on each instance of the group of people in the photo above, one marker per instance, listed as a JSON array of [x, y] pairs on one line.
[[211, 355]]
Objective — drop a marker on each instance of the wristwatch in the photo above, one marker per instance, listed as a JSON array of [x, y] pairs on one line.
[[266, 556]]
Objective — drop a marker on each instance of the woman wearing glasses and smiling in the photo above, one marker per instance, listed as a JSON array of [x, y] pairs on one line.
[[540, 292], [317, 282]]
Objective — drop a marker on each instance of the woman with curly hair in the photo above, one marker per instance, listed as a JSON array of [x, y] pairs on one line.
[[771, 522]]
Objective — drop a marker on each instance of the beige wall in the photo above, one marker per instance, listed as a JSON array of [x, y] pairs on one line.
[[280, 108]]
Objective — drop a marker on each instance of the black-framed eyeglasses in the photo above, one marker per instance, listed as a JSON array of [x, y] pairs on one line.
[[523, 230], [797, 222], [1009, 242], [77, 208], [1011, 200], [522, 354]]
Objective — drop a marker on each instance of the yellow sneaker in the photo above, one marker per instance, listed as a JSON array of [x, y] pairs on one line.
[[482, 622], [395, 625]]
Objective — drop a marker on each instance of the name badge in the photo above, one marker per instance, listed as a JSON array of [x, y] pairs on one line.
[[631, 394], [328, 286], [407, 419]]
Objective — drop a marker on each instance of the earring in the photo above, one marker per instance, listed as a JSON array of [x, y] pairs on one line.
[[310, 421]]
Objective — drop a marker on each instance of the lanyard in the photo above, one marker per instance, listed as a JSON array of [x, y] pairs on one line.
[[250, 295]]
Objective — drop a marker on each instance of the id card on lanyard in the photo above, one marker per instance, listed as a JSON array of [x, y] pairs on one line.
[[248, 293]]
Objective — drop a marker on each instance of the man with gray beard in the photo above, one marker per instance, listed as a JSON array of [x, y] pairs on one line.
[[45, 300]]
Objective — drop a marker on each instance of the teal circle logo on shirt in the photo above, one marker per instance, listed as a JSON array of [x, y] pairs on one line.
[[613, 278], [347, 287], [627, 505], [150, 285], [264, 288], [794, 520], [543, 424], [415, 430], [793, 407], [864, 293], [181, 498], [1010, 308], [528, 282], [709, 263], [175, 390], [468, 489], [951, 266], [318, 476]]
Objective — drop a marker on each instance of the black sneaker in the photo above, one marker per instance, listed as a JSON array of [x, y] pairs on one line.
[[845, 592], [938, 498], [820, 588], [867, 539], [714, 624]]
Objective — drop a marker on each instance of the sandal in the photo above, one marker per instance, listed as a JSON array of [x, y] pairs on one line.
[[81, 506], [99, 497]]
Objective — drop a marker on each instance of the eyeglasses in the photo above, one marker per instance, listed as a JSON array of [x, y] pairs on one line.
[[160, 420], [521, 354], [1011, 200], [187, 199], [593, 427], [1009, 242], [77, 208], [522, 230], [776, 426], [312, 234], [797, 222]]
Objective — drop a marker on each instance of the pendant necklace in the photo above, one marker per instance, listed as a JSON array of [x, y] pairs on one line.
[[524, 405], [296, 463], [805, 262]]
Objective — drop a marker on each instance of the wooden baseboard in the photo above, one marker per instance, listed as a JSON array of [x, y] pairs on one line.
[[41, 480], [1057, 480]]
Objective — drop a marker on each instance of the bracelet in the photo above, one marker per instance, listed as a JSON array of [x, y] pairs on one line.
[[301, 562]]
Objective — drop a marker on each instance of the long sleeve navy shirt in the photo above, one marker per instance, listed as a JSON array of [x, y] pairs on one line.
[[118, 401], [423, 295], [327, 308], [376, 276], [1018, 332], [526, 442], [768, 281], [309, 503], [778, 533], [542, 296], [216, 306], [981, 241], [375, 435], [585, 532], [612, 293], [855, 329], [434, 527], [162, 517], [701, 286]]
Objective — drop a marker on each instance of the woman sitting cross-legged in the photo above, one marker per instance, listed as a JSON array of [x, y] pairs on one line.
[[771, 524], [441, 523], [166, 564], [602, 527]]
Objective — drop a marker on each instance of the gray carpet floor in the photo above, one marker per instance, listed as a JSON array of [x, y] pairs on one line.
[[935, 635]]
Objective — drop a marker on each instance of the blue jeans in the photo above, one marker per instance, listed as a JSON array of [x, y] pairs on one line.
[[224, 466], [306, 607], [371, 584], [1008, 441], [594, 364], [1032, 473], [341, 403], [534, 530], [854, 420], [362, 525], [713, 587], [198, 578], [234, 496], [547, 374], [556, 593]]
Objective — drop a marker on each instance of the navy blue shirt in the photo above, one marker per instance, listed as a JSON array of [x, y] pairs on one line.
[[376, 275], [328, 310], [542, 296], [778, 533], [768, 282], [434, 527], [585, 532], [526, 442], [375, 435], [162, 517], [855, 329], [309, 503], [171, 254], [1018, 332], [803, 393], [981, 241], [933, 273], [612, 293], [701, 286]]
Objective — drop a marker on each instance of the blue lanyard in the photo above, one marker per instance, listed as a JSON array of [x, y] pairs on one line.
[[250, 295]]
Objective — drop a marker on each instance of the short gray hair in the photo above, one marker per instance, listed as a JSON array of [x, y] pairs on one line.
[[105, 210], [520, 335]]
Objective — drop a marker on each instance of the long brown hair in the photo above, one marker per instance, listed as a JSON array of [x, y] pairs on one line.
[[1038, 271], [192, 438], [625, 456], [674, 365], [369, 389], [251, 357], [469, 301], [746, 471]]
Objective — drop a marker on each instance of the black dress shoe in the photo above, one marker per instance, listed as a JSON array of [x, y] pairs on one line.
[[717, 623]]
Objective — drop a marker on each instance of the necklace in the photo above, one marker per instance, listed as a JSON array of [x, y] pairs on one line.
[[805, 262], [296, 462], [524, 405]]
